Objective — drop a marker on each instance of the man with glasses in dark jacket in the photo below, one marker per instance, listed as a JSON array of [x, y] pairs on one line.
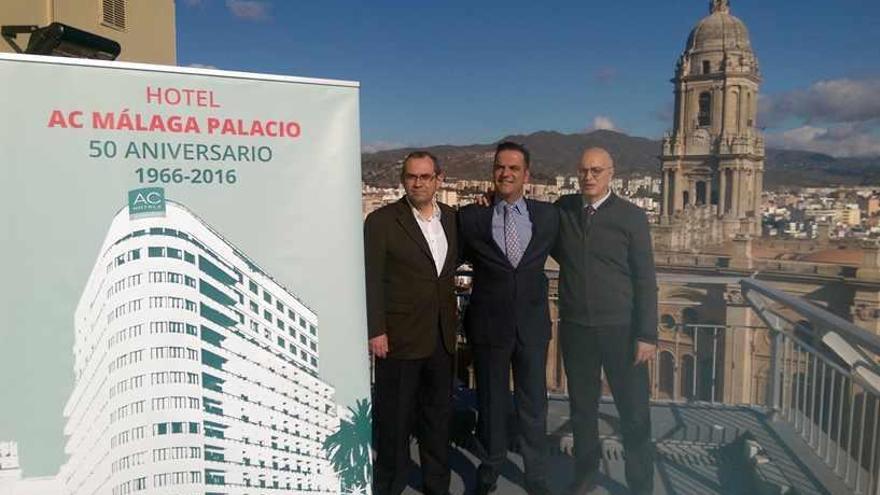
[[411, 253]]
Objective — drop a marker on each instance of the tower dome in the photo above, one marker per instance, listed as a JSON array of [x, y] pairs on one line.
[[719, 31]]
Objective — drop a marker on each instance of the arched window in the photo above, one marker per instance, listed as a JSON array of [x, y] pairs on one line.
[[749, 121], [737, 108], [759, 394], [701, 192], [707, 68], [704, 117], [667, 375]]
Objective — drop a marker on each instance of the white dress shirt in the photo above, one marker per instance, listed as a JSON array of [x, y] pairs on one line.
[[434, 234], [598, 202]]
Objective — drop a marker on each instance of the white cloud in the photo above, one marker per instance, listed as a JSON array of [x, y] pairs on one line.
[[601, 122], [251, 10], [838, 117], [848, 139], [828, 101]]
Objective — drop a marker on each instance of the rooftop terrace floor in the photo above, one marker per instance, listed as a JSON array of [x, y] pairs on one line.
[[693, 442]]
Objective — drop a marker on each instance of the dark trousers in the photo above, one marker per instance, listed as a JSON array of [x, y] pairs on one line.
[[412, 394], [492, 367], [586, 350]]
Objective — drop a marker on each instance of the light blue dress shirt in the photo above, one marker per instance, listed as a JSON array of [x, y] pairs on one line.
[[520, 218]]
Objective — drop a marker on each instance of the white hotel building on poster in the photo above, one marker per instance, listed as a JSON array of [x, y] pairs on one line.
[[195, 371]]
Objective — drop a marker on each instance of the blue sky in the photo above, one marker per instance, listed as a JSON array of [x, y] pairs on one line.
[[466, 72]]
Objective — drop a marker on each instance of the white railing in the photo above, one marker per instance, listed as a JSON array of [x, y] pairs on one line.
[[824, 383]]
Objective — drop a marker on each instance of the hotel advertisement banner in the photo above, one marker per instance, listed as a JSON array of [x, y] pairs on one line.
[[183, 296]]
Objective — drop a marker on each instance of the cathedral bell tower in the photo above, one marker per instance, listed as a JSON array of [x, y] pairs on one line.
[[714, 156]]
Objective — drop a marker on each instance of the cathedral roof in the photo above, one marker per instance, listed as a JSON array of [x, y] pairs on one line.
[[838, 256], [783, 250], [719, 31]]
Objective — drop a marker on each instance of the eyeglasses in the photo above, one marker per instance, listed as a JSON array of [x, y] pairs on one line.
[[415, 178], [594, 171]]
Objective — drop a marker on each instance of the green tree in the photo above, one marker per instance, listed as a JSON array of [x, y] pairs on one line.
[[349, 449]]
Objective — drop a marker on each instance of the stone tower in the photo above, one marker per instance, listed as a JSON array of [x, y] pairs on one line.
[[713, 160]]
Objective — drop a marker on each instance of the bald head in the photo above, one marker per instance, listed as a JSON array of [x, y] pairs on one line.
[[594, 173], [597, 157]]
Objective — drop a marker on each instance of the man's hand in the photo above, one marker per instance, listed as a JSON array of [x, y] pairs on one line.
[[487, 198], [644, 352], [379, 346]]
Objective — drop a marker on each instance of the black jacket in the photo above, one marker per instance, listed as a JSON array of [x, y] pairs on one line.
[[507, 303], [606, 266], [405, 297]]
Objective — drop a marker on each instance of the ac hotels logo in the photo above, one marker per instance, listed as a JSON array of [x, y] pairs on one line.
[[146, 200]]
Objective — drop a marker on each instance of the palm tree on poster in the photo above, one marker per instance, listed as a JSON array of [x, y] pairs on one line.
[[349, 449]]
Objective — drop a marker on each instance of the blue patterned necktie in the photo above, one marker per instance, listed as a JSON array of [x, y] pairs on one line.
[[511, 237]]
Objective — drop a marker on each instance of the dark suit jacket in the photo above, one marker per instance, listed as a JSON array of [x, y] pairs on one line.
[[606, 266], [507, 303], [405, 298]]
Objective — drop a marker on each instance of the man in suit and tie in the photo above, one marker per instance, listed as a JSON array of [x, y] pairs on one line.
[[411, 249], [608, 313], [507, 321]]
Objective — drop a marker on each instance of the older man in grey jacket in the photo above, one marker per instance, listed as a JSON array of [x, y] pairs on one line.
[[608, 318]]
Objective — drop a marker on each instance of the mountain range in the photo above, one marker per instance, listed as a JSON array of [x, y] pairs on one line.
[[554, 153]]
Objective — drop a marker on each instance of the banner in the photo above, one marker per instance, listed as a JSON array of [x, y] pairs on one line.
[[183, 296]]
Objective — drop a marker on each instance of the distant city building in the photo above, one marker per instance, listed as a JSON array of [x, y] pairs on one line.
[[851, 215], [146, 31], [873, 206], [195, 370], [459, 192], [448, 196]]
